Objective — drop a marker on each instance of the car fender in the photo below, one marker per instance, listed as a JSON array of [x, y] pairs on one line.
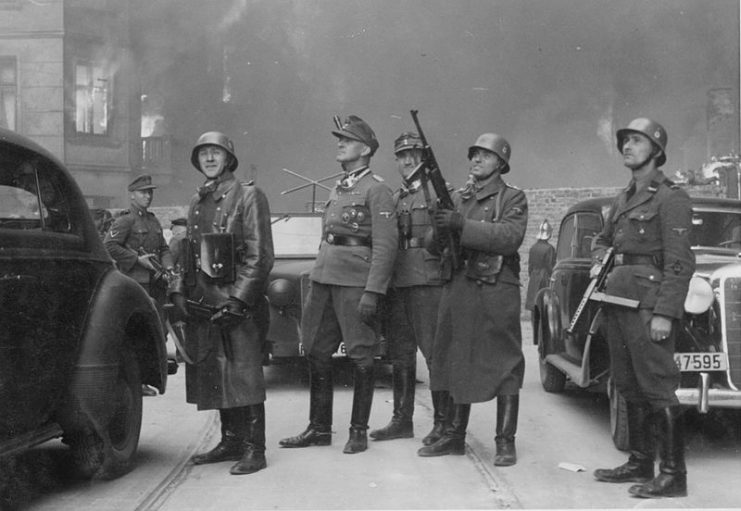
[[120, 312], [550, 311]]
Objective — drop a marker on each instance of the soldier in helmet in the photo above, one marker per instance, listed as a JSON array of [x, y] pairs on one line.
[[541, 258], [350, 277], [228, 255], [477, 353], [648, 225], [134, 239], [413, 299]]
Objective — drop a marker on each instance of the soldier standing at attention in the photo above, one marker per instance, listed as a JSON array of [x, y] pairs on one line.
[[228, 258], [413, 298], [648, 225], [350, 276], [541, 258], [477, 353], [135, 237]]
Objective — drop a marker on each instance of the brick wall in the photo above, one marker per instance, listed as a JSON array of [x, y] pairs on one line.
[[549, 203]]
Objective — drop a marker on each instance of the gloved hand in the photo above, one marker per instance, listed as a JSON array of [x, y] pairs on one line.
[[368, 308], [178, 301], [448, 220], [230, 314]]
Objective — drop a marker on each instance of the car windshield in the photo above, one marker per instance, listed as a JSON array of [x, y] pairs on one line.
[[716, 229], [296, 235]]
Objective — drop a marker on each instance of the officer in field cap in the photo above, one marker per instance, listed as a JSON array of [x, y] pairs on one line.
[[413, 299], [350, 276], [135, 238]]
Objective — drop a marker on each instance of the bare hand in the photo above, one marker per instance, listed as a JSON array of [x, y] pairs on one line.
[[661, 327]]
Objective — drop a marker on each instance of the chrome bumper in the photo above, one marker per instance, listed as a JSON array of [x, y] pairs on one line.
[[704, 398]]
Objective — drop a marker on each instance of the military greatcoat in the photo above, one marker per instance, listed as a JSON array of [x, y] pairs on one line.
[[228, 362], [356, 254], [540, 261], [477, 353], [649, 230]]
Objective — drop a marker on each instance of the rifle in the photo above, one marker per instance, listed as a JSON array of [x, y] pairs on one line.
[[594, 290], [429, 171]]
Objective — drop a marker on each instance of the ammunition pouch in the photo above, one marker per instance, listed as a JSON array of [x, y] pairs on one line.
[[483, 267], [217, 257]]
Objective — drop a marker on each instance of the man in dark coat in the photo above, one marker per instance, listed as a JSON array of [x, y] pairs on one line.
[[228, 258], [413, 298], [350, 276], [135, 239], [477, 352], [541, 258], [648, 225]]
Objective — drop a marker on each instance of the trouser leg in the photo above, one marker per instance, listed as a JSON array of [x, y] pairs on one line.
[[640, 464], [507, 410], [672, 478], [364, 379], [321, 396]]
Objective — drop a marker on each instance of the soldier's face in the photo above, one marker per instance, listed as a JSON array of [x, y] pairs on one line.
[[142, 198], [349, 150], [637, 150], [484, 164], [213, 160], [407, 160]]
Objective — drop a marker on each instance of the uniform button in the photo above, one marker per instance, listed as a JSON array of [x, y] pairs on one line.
[[641, 230], [486, 209], [195, 227], [650, 277]]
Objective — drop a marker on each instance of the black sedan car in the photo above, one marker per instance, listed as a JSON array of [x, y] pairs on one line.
[[77, 337], [709, 340]]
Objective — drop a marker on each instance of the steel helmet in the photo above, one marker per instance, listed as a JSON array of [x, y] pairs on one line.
[[545, 231], [218, 139], [281, 293], [650, 128], [494, 143]]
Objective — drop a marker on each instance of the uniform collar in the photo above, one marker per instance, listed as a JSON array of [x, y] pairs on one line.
[[640, 196], [138, 210], [352, 178], [413, 187], [218, 187], [490, 186]]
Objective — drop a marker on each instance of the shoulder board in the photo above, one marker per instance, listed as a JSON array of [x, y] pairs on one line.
[[653, 186], [671, 184], [378, 178], [124, 212], [245, 184], [511, 186]]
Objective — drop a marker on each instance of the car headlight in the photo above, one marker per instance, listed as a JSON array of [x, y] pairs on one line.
[[281, 293], [699, 297]]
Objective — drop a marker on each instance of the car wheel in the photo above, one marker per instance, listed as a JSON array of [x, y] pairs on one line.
[[618, 417], [551, 378], [108, 452]]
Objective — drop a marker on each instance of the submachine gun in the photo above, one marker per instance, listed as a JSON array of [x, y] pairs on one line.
[[160, 275], [429, 172]]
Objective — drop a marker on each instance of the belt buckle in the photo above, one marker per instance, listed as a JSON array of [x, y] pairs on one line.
[[619, 259], [330, 238]]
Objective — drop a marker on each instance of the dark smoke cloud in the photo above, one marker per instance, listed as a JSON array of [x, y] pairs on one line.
[[556, 77]]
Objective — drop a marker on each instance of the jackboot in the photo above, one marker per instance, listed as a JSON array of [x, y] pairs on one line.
[[321, 395], [640, 464], [453, 440], [401, 426], [364, 379], [507, 410], [672, 478], [230, 448], [440, 404], [253, 458]]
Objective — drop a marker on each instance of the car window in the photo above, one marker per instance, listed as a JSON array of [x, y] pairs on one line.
[[576, 234], [30, 198], [716, 229], [296, 235]]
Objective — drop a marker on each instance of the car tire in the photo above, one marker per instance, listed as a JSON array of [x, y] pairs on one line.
[[110, 452], [552, 380], [618, 417]]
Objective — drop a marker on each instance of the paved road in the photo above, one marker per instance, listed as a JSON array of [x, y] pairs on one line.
[[571, 427]]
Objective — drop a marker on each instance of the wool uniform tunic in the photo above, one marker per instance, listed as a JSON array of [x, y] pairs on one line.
[[477, 353]]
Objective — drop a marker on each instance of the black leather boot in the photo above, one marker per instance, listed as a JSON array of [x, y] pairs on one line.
[[640, 464], [672, 478], [253, 458], [321, 394], [364, 378], [453, 440], [441, 402], [401, 426], [507, 410], [230, 448]]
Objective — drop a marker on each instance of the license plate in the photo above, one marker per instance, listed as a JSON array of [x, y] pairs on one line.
[[713, 361]]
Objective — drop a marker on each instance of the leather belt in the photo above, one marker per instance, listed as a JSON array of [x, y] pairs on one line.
[[636, 259], [408, 243], [347, 241]]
